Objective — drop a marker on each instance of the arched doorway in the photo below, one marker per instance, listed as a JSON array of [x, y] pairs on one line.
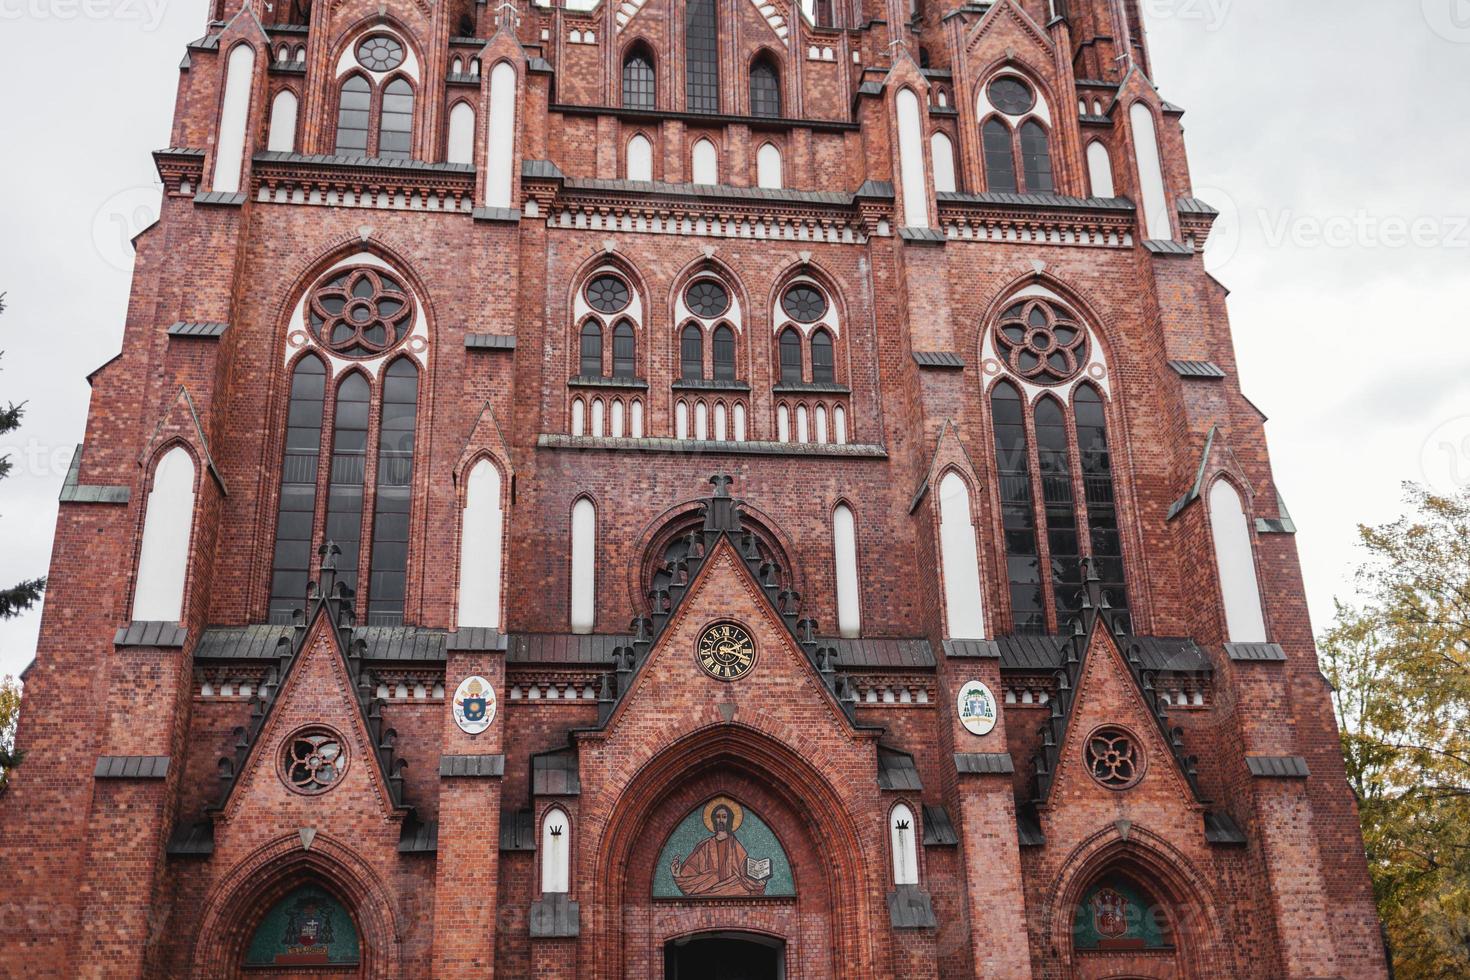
[[725, 956]]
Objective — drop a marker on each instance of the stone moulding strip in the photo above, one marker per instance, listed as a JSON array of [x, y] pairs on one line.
[[1277, 766], [472, 766], [1255, 652], [150, 634], [984, 763], [557, 440], [131, 767], [75, 492]]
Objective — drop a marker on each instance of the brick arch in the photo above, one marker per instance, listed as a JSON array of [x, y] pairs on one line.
[[801, 804], [233, 908]]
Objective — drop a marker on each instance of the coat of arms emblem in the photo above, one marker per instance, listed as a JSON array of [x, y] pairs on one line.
[[1109, 913], [474, 705]]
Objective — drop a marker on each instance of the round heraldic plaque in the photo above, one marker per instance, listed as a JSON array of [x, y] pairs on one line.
[[726, 651], [474, 705], [976, 706]]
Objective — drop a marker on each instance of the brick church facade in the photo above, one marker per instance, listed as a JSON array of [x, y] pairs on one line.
[[703, 489]]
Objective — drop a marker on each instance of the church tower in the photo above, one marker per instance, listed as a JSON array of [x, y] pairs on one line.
[[677, 489]]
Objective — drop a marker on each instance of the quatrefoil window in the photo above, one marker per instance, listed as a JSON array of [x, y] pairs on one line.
[[1041, 342], [313, 760], [1114, 758], [360, 312]]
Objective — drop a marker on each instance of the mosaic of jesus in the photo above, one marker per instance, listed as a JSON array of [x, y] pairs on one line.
[[722, 850]]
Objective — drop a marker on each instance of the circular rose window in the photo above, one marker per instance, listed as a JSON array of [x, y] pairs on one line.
[[313, 760], [1041, 342], [804, 303], [1114, 758], [607, 294], [380, 53], [707, 299], [1011, 95], [360, 312]]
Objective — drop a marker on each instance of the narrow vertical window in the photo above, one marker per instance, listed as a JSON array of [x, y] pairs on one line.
[[823, 14], [234, 117], [706, 163], [556, 846], [163, 557], [701, 64], [724, 353], [500, 135], [1000, 161], [296, 510], [1150, 173], [960, 560], [481, 529], [844, 553], [803, 433], [1100, 170], [819, 423], [579, 417], [1018, 516], [721, 422], [1055, 460], [349, 458], [783, 424], [599, 413], [911, 161], [393, 505], [1236, 563], [352, 117], [790, 346], [591, 350], [765, 90], [681, 420], [638, 87], [1036, 157], [691, 354], [584, 566], [823, 369], [616, 418], [943, 152], [461, 148], [1097, 485], [640, 158], [624, 350], [739, 422], [901, 828], [701, 421], [768, 167], [282, 138], [395, 120], [839, 425], [635, 419]]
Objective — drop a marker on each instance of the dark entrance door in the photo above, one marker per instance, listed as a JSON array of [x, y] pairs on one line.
[[724, 956]]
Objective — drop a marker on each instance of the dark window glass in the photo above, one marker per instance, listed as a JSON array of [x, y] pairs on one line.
[[691, 354], [1000, 160], [790, 356], [291, 565], [724, 354], [393, 502], [395, 126], [344, 489], [1036, 158], [625, 348], [591, 350], [822, 365], [352, 116], [804, 303], [824, 16], [1097, 483], [707, 298], [702, 64], [1012, 96], [607, 294], [765, 90], [1055, 460], [638, 91], [1018, 516]]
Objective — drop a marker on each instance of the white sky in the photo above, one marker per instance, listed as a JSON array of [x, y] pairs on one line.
[[1326, 130]]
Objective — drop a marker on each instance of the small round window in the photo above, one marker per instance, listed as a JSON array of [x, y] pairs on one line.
[[313, 760], [360, 312], [1113, 758], [380, 53], [607, 294], [1012, 96], [804, 303], [707, 299]]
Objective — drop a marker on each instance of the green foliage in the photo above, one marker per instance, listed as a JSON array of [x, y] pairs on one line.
[[19, 598], [9, 715], [1400, 666]]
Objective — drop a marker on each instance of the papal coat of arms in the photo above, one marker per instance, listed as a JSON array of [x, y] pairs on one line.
[[474, 705]]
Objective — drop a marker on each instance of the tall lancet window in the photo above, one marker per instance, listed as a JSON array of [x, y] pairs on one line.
[[638, 81], [901, 830], [394, 494], [481, 527], [556, 852], [1015, 136], [348, 472], [845, 559], [296, 511], [1017, 510], [701, 56], [163, 557], [584, 566]]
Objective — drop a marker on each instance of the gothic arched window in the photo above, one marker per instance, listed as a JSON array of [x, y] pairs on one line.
[[625, 347], [353, 117], [1017, 511], [724, 353], [638, 81], [395, 120], [702, 57], [374, 113], [591, 350], [1035, 157], [1000, 164], [823, 368], [388, 583], [691, 353], [1015, 138], [296, 510], [348, 470], [790, 348], [765, 90]]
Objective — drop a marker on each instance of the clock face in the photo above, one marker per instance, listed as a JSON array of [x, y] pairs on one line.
[[726, 651]]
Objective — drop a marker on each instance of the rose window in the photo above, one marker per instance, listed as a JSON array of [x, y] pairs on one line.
[[1011, 95], [314, 760], [360, 312], [1113, 758], [1041, 342], [380, 53], [607, 294], [804, 304], [707, 299]]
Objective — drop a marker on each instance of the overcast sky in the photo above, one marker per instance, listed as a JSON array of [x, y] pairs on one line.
[[1332, 134]]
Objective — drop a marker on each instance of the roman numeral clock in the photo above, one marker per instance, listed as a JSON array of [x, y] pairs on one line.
[[726, 651]]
